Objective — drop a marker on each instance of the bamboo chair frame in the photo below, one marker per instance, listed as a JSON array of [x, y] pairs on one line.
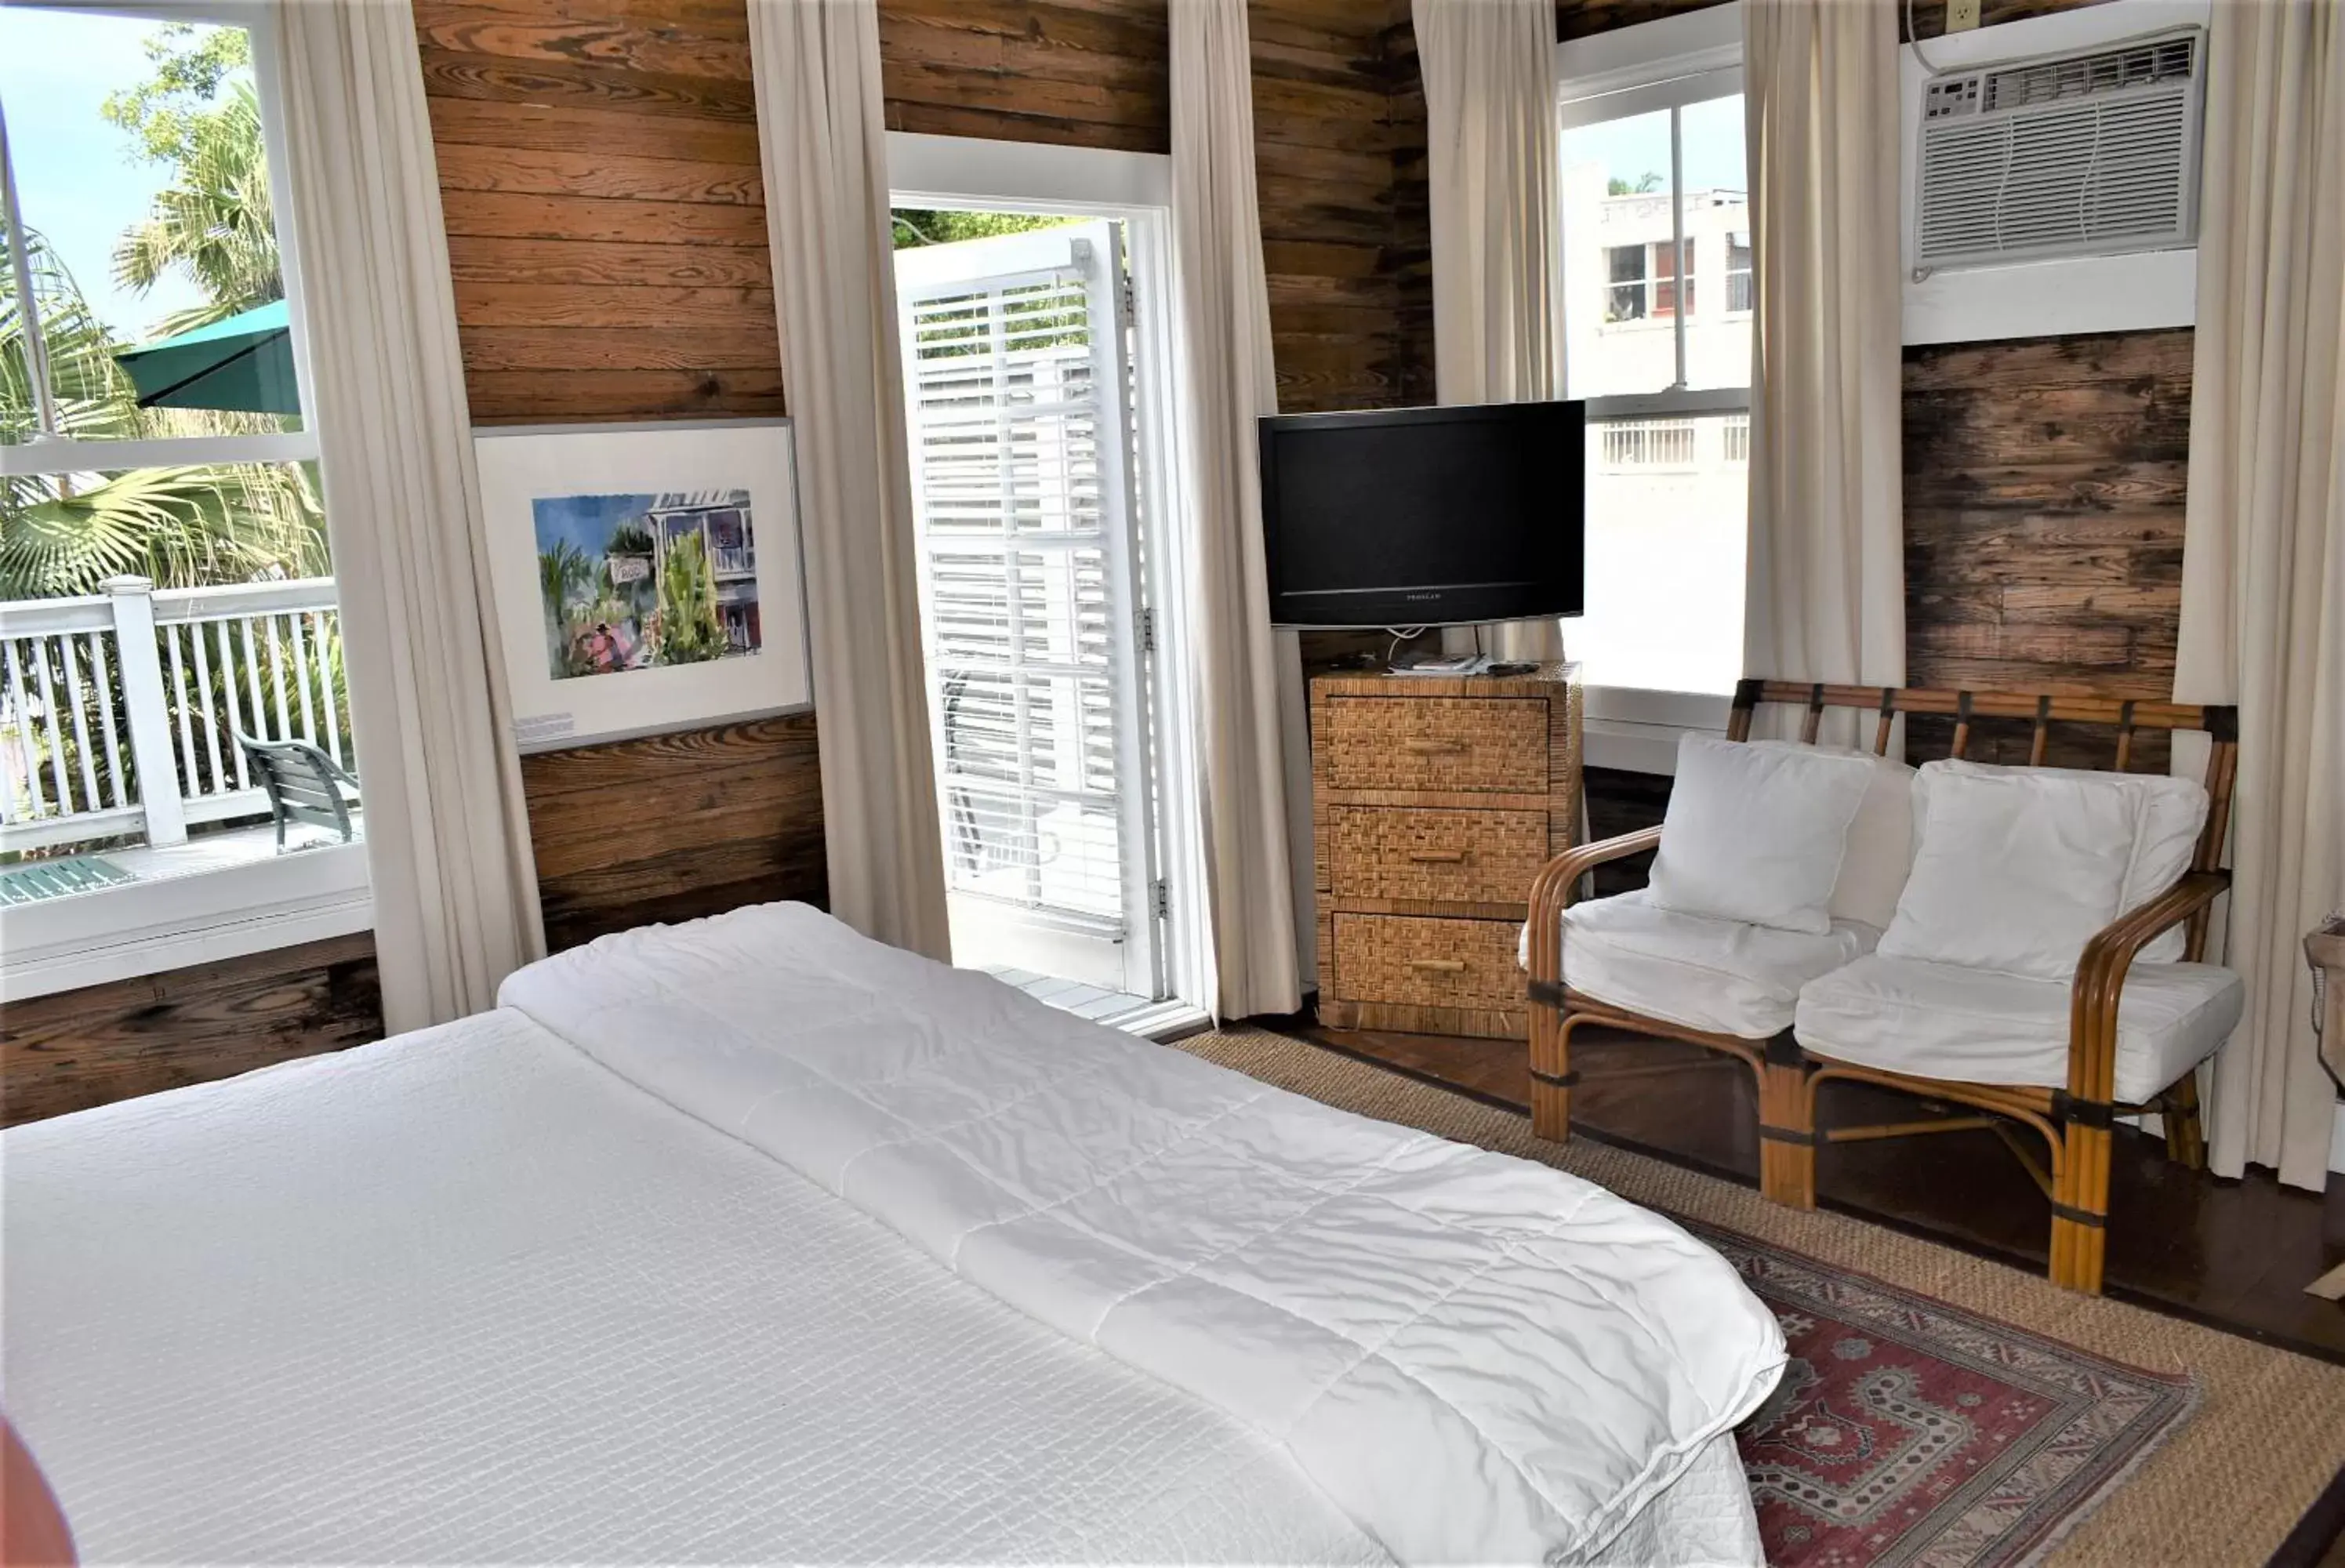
[[2074, 1122]]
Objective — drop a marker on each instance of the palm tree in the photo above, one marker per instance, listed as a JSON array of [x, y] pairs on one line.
[[182, 527], [213, 222], [563, 572]]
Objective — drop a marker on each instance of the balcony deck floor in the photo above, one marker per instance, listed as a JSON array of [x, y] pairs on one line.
[[222, 849]]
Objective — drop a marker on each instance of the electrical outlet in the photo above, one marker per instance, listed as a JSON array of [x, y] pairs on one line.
[[1962, 16]]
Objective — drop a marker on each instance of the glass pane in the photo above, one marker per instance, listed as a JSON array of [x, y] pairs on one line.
[[247, 644], [1666, 508], [1718, 244], [146, 214], [1615, 213], [1622, 283]]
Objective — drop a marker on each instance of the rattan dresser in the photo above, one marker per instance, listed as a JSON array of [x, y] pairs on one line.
[[1434, 801]]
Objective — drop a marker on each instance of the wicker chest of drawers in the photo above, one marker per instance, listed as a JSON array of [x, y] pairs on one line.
[[1434, 801]]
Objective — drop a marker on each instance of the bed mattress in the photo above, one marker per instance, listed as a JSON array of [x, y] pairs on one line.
[[466, 1296], [752, 1239]]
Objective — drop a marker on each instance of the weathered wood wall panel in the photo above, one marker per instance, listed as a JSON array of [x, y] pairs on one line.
[[674, 827], [80, 1048], [2045, 484], [606, 228], [1076, 73]]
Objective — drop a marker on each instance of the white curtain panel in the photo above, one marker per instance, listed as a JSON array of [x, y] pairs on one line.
[[2263, 566], [1497, 259], [820, 128], [1248, 683], [1825, 598], [1497, 268], [447, 829]]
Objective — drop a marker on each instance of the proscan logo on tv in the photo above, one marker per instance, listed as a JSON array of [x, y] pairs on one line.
[[1420, 596]]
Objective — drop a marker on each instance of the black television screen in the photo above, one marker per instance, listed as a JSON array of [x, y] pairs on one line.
[[1424, 517]]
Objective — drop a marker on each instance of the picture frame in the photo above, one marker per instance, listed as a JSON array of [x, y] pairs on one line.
[[647, 576]]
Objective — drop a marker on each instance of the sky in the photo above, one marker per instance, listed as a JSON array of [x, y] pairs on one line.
[[1639, 145], [78, 179]]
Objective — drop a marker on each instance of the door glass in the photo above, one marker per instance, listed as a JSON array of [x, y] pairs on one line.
[[1019, 417]]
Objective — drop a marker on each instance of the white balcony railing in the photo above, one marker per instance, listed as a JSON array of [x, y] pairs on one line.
[[119, 712]]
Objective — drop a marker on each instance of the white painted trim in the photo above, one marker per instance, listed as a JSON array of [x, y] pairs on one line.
[[150, 926], [2135, 292], [44, 456], [975, 173], [979, 174], [1637, 731], [1693, 43]]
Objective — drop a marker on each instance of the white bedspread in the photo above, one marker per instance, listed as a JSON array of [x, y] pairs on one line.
[[1477, 1357], [466, 1297]]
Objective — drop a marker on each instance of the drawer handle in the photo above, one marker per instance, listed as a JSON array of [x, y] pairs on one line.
[[1437, 856], [1431, 745], [1439, 965]]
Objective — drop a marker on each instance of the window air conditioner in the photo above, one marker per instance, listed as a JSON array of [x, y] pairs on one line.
[[2089, 153]]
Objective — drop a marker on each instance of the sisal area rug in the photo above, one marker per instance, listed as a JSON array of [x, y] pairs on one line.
[[1941, 1410]]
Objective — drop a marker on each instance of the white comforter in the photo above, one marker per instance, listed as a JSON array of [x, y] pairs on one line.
[[465, 1296], [1476, 1358]]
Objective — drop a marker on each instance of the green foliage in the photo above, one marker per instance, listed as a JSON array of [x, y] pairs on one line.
[[563, 575], [916, 227], [182, 527], [213, 222], [1646, 185], [630, 537], [690, 629], [165, 112]]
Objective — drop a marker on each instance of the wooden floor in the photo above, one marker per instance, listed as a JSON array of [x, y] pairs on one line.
[[2236, 1255]]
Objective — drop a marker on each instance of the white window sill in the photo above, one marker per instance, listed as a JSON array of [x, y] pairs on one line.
[[1636, 731], [146, 927]]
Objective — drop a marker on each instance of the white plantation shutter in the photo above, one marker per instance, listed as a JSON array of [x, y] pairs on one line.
[[1019, 438]]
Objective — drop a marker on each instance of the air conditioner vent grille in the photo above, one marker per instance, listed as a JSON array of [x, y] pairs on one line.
[[2088, 75], [2091, 153]]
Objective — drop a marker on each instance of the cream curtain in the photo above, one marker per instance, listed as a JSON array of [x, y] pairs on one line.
[[1825, 598], [1497, 268], [2263, 566], [1248, 686], [816, 69], [455, 892]]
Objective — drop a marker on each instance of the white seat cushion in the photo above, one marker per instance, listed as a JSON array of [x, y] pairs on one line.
[[1944, 1021], [1721, 976]]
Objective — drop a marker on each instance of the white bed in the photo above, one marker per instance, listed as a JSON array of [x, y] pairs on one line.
[[751, 1240]]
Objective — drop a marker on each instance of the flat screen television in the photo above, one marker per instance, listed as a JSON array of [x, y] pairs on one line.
[[1424, 517]]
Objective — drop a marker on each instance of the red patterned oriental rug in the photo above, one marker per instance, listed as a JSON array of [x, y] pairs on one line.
[[1906, 1431]]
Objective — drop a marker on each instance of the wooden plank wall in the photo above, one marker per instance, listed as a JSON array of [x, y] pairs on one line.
[[607, 225], [2044, 511], [80, 1048], [673, 828]]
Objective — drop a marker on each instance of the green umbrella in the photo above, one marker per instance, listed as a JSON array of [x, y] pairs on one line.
[[245, 362]]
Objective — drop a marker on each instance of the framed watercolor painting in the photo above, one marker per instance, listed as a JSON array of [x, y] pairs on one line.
[[646, 575]]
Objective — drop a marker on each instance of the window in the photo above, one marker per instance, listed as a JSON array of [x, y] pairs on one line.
[[166, 584], [1643, 280], [1654, 203], [1647, 443]]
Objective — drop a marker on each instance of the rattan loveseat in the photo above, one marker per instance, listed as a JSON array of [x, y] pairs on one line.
[[2074, 1122]]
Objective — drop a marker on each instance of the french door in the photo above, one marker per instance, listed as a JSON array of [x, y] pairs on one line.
[[1018, 388]]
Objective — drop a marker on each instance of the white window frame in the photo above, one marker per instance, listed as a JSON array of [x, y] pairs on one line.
[[1654, 65], [45, 454], [979, 175], [147, 928]]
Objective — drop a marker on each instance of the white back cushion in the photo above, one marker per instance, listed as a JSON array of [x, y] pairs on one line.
[[2166, 834], [1757, 833], [2017, 868], [1880, 841]]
